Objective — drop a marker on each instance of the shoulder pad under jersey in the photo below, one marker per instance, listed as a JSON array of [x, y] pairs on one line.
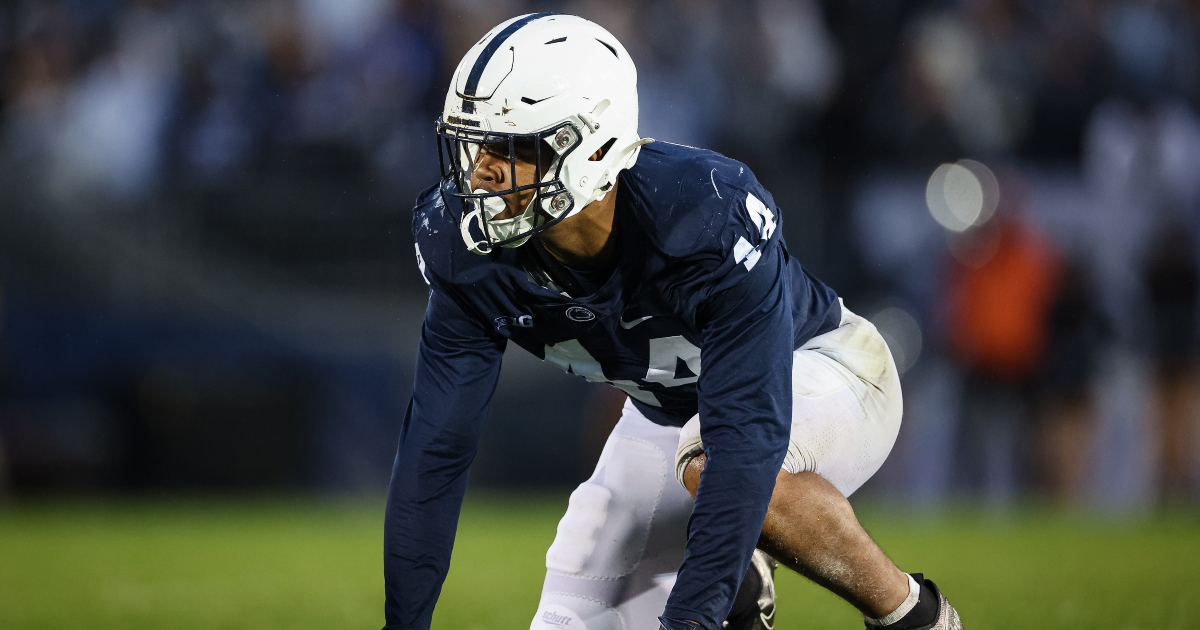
[[441, 255], [697, 203]]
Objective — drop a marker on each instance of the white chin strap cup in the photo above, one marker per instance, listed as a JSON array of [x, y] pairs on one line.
[[486, 209]]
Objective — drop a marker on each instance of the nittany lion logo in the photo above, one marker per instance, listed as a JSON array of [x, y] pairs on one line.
[[580, 314]]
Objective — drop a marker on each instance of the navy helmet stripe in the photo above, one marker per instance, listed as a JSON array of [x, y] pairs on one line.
[[481, 62]]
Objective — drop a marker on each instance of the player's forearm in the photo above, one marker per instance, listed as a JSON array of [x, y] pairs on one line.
[[745, 418], [416, 557], [438, 442], [456, 373], [424, 499], [731, 504]]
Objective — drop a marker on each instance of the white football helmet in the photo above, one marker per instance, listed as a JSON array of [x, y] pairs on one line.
[[544, 88]]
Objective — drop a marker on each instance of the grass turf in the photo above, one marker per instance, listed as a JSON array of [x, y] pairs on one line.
[[296, 564]]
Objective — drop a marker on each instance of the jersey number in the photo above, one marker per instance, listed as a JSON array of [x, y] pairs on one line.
[[674, 361]]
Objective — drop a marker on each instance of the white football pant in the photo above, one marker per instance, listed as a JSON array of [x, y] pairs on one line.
[[613, 561]]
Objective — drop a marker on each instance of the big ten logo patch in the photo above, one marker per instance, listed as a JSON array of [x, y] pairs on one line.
[[520, 321]]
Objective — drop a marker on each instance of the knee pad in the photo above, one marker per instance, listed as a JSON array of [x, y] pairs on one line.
[[575, 542], [607, 524]]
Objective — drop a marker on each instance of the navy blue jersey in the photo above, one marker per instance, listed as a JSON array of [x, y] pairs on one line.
[[700, 316]]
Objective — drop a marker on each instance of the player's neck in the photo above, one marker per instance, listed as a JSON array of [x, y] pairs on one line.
[[585, 241]]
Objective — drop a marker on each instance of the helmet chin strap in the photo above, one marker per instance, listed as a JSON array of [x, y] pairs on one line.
[[464, 227], [633, 146]]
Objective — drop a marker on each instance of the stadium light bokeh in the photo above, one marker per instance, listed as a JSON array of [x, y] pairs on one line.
[[962, 195]]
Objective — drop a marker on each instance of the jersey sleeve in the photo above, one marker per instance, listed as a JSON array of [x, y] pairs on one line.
[[745, 408], [458, 364]]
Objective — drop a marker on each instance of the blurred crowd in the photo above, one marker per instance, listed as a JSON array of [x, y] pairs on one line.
[[124, 98], [1008, 188]]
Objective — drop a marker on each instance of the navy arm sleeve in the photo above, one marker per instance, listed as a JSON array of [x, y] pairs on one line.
[[745, 408], [458, 363]]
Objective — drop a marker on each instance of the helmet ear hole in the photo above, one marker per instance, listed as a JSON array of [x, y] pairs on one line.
[[602, 151]]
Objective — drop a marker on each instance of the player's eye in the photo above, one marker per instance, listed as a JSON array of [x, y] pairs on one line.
[[496, 150], [524, 149]]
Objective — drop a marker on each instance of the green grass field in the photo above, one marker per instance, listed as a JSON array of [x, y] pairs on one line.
[[315, 564]]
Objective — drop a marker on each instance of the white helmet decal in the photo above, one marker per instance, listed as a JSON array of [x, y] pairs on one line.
[[547, 89]]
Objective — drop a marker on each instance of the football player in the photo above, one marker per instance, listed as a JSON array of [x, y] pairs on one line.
[[756, 401]]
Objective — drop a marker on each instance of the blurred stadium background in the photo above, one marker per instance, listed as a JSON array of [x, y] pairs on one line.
[[207, 285]]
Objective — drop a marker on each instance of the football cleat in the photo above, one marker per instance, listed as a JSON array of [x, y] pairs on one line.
[[946, 617], [761, 616]]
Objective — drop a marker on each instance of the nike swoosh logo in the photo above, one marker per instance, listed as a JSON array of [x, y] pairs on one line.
[[627, 325]]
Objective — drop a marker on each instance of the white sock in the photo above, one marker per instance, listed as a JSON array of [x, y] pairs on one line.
[[914, 593]]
